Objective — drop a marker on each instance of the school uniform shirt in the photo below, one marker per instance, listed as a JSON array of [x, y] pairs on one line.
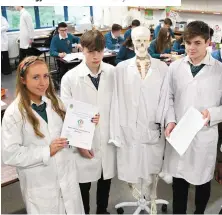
[[124, 53], [76, 84], [111, 41], [202, 91], [127, 33], [26, 29], [49, 185], [177, 47], [157, 29], [153, 50], [59, 44]]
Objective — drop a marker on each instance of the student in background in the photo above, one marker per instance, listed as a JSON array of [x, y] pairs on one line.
[[31, 142], [113, 38], [126, 51], [61, 43], [160, 48], [179, 46], [92, 82], [134, 24], [26, 33], [5, 66], [166, 24]]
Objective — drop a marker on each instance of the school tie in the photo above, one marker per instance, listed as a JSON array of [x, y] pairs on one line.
[[95, 81], [41, 110], [195, 69]]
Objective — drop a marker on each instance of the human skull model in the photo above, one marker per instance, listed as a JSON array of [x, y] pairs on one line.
[[141, 39]]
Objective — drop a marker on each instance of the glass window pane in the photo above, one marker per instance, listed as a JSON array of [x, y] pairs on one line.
[[49, 13], [79, 15], [13, 16]]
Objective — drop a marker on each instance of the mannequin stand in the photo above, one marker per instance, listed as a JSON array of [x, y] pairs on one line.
[[142, 204]]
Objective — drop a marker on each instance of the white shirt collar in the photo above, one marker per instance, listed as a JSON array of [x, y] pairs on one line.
[[44, 99], [60, 37], [207, 60], [113, 36], [86, 71]]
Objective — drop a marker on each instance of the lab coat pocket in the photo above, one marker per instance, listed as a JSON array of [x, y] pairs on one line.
[[151, 134], [127, 135], [43, 200]]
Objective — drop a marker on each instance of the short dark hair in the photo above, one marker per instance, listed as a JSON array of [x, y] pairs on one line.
[[197, 28], [116, 27], [93, 40], [62, 25], [168, 21], [135, 22]]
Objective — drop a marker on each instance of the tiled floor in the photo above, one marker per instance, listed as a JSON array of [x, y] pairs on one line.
[[11, 200]]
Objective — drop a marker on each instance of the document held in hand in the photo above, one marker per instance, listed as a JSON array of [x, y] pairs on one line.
[[77, 127], [184, 132]]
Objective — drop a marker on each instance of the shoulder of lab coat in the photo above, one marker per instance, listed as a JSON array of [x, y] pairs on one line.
[[4, 25], [216, 112], [14, 153], [72, 77]]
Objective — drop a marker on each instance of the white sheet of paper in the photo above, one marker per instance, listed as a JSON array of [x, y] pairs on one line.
[[72, 56], [77, 127], [2, 103], [184, 132]]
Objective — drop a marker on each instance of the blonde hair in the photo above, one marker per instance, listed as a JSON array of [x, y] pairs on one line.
[[24, 99]]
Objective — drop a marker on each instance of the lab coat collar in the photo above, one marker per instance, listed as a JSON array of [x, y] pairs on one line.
[[208, 60], [85, 71]]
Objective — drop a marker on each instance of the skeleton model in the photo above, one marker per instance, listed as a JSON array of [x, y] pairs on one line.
[[146, 195]]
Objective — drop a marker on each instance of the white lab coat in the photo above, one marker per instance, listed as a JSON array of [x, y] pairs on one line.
[[77, 85], [48, 184], [204, 91], [26, 29], [4, 37], [137, 106]]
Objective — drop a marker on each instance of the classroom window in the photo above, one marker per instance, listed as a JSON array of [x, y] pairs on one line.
[[13, 16], [79, 15], [49, 14]]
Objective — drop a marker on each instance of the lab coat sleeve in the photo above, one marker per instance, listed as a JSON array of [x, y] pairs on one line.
[[215, 114], [152, 50], [114, 118], [53, 48], [66, 93], [13, 151], [29, 24], [164, 98], [121, 56], [170, 116], [4, 25]]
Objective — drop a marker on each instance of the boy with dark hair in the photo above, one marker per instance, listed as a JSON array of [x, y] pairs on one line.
[[166, 24], [92, 82], [61, 43], [113, 38], [135, 23], [195, 81]]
